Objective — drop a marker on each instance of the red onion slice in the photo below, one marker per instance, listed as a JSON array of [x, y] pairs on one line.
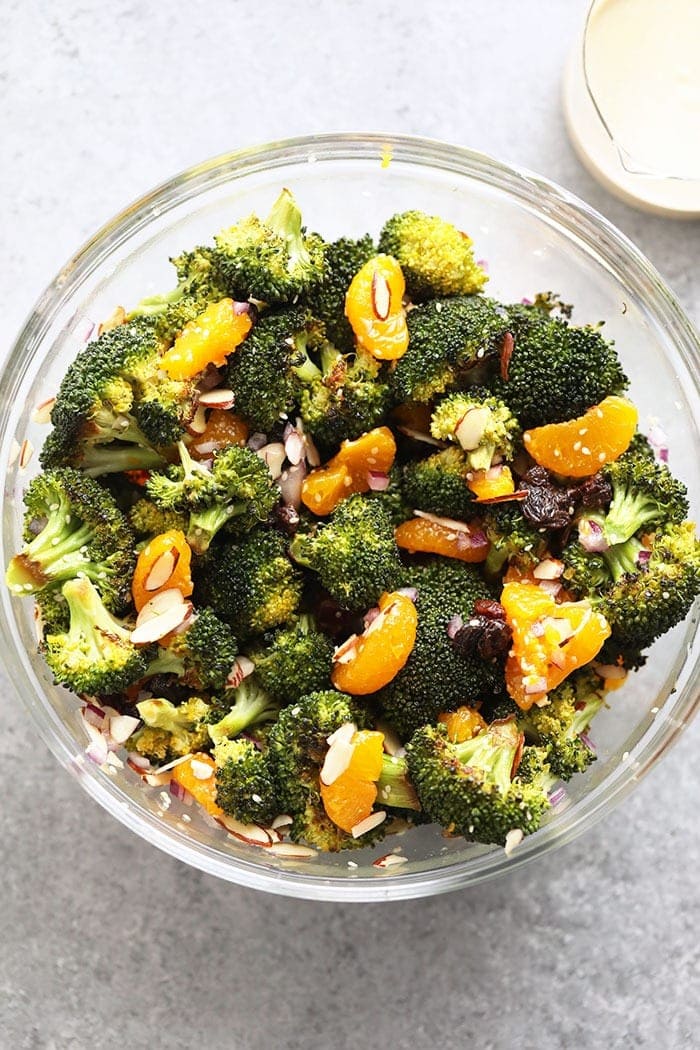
[[377, 481], [456, 623], [591, 536], [177, 790], [408, 592]]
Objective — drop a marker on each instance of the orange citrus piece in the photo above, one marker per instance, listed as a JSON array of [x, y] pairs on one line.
[[374, 307], [202, 791], [168, 550], [368, 749], [462, 724], [369, 661], [550, 640], [422, 534], [580, 447], [324, 488], [348, 800], [223, 428], [208, 339], [348, 471], [496, 481]]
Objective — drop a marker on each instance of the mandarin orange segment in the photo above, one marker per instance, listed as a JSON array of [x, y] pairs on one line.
[[549, 640], [580, 447], [202, 791], [348, 471], [163, 563], [223, 428], [208, 339], [422, 534], [368, 749], [371, 660], [348, 800], [374, 307], [462, 724], [486, 484], [323, 489]]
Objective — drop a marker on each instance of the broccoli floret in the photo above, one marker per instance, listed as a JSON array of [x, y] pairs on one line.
[[294, 660], [481, 424], [297, 749], [72, 527], [648, 601], [556, 371], [268, 369], [438, 484], [238, 485], [95, 654], [435, 678], [469, 788], [344, 398], [202, 656], [252, 585], [393, 497], [344, 258], [273, 260], [511, 538], [171, 731], [354, 554], [148, 519], [245, 786], [247, 705], [52, 611], [394, 788], [645, 495], [447, 337], [436, 258], [197, 286]]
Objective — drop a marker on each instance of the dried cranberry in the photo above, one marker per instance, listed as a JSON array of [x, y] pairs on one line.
[[547, 505]]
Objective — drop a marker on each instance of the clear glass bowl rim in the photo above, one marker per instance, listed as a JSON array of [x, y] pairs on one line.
[[553, 204]]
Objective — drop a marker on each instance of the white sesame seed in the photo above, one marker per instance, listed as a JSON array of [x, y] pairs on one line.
[[586, 451], [577, 446], [352, 864]]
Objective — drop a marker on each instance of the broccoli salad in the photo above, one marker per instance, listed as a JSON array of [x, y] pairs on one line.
[[330, 542]]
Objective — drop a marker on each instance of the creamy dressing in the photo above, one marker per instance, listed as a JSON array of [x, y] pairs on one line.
[[642, 60]]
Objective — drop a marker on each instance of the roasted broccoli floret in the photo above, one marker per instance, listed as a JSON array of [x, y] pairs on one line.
[[447, 337], [297, 749], [481, 424], [252, 585], [435, 678], [274, 260], [201, 656], [393, 498], [469, 787], [511, 537], [73, 527], [267, 371], [198, 285], [344, 398], [148, 519], [294, 660], [556, 371], [245, 786], [247, 705], [238, 485], [344, 258], [171, 731], [436, 258], [438, 484], [95, 655], [354, 554]]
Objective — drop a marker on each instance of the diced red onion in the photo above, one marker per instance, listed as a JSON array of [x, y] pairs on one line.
[[484, 264], [551, 587], [408, 592], [94, 715], [558, 658], [526, 302], [537, 629], [643, 557], [256, 441], [610, 672], [84, 328], [557, 795], [454, 625], [377, 481], [241, 308], [97, 750], [663, 454], [591, 536], [470, 540], [256, 743], [539, 685], [290, 484], [139, 763], [584, 737], [176, 790]]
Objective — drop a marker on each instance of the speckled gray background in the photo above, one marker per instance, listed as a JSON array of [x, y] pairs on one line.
[[104, 941]]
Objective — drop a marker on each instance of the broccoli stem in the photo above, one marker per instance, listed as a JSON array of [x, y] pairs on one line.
[[89, 620], [622, 558], [627, 513], [113, 459], [492, 753], [57, 553], [251, 706], [204, 524], [393, 787], [285, 220]]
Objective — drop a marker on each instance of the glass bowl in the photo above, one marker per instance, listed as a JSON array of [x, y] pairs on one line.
[[535, 236]]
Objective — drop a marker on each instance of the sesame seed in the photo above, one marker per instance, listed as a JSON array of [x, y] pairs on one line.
[[586, 451], [317, 497], [186, 818], [347, 482], [352, 864], [599, 413], [601, 457], [528, 439], [583, 430], [256, 798], [577, 446], [374, 451], [557, 453]]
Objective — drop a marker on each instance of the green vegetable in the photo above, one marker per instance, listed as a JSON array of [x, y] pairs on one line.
[[170, 731], [293, 660], [493, 432], [436, 258]]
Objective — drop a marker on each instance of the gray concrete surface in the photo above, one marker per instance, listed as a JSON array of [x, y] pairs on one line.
[[104, 941]]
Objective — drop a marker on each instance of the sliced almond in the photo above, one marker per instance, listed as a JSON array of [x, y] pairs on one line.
[[253, 834], [121, 727], [521, 494], [273, 455], [26, 452], [336, 761], [283, 821], [117, 317], [162, 569], [389, 860], [419, 435], [156, 625], [198, 423], [222, 398], [14, 453], [513, 839], [381, 296], [242, 667], [549, 569], [294, 447], [156, 779], [470, 429], [610, 672], [345, 652], [292, 851], [368, 824], [344, 734], [446, 523], [559, 626], [160, 603], [42, 412], [391, 743]]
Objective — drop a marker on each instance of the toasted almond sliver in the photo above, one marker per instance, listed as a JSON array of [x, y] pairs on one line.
[[160, 603], [294, 447], [446, 523], [222, 398], [283, 821], [345, 733], [160, 624], [336, 761], [242, 667], [273, 455], [42, 412], [117, 317], [513, 839], [292, 851], [161, 570], [345, 652], [390, 860], [471, 427], [369, 823], [381, 296], [25, 453], [198, 423], [253, 834]]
